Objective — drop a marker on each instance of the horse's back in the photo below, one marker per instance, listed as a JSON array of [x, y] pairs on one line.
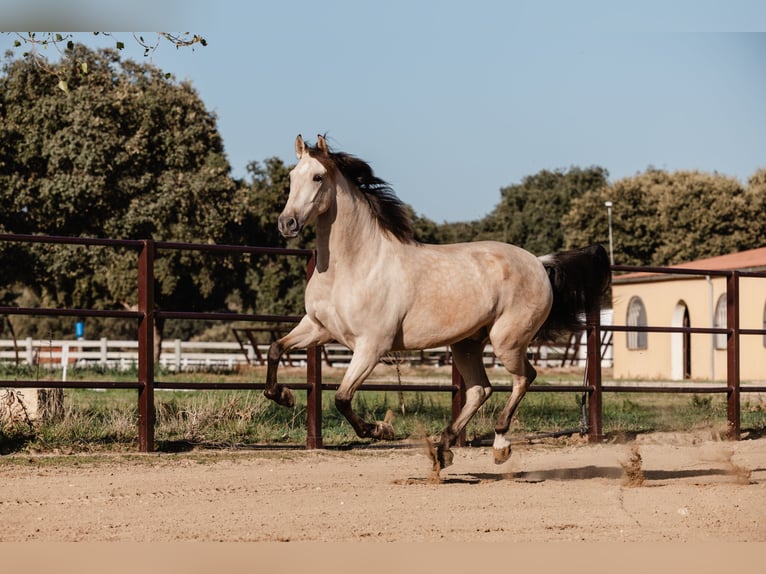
[[498, 265], [460, 290]]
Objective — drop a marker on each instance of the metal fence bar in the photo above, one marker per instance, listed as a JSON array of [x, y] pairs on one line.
[[313, 382], [664, 389], [593, 377], [650, 329], [732, 355], [26, 238], [213, 316], [47, 311], [314, 398], [671, 270], [222, 248], [70, 384], [146, 347], [147, 313]]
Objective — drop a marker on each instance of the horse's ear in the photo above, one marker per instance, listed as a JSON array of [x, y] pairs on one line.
[[322, 144], [300, 146]]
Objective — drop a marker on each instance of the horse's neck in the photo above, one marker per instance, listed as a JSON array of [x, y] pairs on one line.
[[348, 237]]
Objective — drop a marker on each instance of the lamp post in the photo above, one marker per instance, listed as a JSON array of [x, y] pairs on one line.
[[608, 205]]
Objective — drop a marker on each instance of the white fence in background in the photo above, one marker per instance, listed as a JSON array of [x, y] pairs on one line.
[[176, 355], [181, 356]]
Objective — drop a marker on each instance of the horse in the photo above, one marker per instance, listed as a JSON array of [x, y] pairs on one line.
[[375, 289]]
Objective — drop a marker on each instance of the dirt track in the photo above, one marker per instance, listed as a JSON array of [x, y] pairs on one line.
[[694, 489]]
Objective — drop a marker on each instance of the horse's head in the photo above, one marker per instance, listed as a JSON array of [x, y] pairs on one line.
[[311, 191]]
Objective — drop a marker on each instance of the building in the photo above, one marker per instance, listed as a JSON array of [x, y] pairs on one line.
[[662, 300]]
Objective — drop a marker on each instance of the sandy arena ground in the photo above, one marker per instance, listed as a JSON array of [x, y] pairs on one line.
[[695, 489]]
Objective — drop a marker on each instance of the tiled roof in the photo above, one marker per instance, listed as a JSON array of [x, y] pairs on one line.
[[752, 260]]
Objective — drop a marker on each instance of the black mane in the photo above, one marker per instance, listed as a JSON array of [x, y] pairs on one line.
[[388, 210]]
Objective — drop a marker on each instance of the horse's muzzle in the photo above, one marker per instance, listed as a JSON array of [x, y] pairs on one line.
[[288, 226]]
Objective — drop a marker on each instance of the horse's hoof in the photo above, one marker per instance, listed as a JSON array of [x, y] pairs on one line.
[[383, 431], [286, 398], [502, 454], [444, 456], [282, 396]]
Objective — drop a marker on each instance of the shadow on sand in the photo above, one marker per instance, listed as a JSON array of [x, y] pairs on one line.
[[651, 477]]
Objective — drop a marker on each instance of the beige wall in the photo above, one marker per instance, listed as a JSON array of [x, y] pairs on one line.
[[663, 301]]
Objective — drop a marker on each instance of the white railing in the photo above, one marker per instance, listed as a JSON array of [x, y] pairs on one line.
[[181, 356], [176, 355]]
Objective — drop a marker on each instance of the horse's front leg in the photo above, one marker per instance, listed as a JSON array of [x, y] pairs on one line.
[[306, 334], [362, 364]]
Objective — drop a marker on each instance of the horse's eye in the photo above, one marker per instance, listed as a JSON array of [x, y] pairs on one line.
[[318, 178]]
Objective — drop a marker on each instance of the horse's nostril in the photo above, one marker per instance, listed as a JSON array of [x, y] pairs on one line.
[[288, 226]]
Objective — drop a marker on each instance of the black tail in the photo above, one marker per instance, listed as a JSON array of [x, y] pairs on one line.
[[580, 279]]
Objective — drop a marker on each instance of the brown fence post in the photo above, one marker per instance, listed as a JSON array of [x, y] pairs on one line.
[[314, 382], [314, 397], [146, 347], [458, 400], [732, 355], [593, 369]]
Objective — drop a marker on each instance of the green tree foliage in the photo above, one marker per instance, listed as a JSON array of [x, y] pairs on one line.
[[426, 230], [529, 214], [461, 231], [125, 152], [662, 218]]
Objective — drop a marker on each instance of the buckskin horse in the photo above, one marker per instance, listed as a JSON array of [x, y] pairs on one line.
[[375, 290]]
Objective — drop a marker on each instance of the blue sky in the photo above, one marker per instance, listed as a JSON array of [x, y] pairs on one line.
[[450, 101]]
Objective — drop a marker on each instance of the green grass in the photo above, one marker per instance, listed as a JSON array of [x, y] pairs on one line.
[[107, 420]]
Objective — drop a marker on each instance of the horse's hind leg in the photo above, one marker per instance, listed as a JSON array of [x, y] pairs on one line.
[[468, 358], [523, 374], [362, 364]]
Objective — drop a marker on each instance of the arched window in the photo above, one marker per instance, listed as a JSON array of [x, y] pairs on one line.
[[719, 322], [636, 318]]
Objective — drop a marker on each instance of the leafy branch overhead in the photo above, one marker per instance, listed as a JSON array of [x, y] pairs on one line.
[[63, 43]]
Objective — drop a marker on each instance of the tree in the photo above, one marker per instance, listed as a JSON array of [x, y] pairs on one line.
[[754, 202], [635, 237], [127, 152], [426, 230], [461, 231], [662, 218], [529, 214]]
